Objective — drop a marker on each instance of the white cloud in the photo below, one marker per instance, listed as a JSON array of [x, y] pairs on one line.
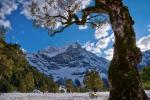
[[102, 35], [103, 39], [5, 23], [112, 37], [103, 43], [97, 51], [6, 8], [109, 54], [26, 13], [84, 3], [90, 46], [97, 47], [144, 43], [148, 28], [23, 50], [82, 27], [102, 31]]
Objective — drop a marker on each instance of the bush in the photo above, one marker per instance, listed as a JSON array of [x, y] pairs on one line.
[[5, 86], [145, 75]]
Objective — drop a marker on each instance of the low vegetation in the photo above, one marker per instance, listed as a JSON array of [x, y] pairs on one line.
[[93, 81], [145, 74]]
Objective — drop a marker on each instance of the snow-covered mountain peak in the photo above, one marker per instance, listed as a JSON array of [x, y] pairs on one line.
[[69, 62], [75, 45], [72, 61]]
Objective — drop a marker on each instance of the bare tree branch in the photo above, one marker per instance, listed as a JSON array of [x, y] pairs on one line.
[[62, 29], [71, 16], [92, 23], [93, 17]]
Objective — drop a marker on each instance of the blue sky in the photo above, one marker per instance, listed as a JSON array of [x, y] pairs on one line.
[[139, 10], [32, 39]]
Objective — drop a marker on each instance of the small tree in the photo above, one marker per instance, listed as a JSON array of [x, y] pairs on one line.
[[92, 81], [145, 74], [27, 84], [2, 33], [69, 85]]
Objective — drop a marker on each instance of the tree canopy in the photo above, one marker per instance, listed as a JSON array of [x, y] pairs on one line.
[[93, 81], [56, 15]]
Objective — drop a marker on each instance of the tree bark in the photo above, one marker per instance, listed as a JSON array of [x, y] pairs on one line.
[[124, 78]]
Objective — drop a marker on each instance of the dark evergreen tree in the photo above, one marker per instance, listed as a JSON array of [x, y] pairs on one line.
[[69, 85], [77, 82]]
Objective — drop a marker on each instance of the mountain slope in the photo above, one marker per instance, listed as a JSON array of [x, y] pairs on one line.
[[145, 60], [70, 62]]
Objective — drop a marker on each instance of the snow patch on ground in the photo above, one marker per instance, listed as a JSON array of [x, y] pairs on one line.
[[54, 96]]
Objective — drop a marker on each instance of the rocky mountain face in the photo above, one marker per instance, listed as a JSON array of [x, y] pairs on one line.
[[145, 60], [69, 62]]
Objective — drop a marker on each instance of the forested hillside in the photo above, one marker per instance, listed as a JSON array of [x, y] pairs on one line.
[[17, 75], [145, 74]]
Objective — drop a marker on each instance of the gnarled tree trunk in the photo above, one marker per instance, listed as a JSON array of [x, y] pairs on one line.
[[125, 82]]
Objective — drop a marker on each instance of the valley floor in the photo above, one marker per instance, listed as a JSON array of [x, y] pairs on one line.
[[54, 96]]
